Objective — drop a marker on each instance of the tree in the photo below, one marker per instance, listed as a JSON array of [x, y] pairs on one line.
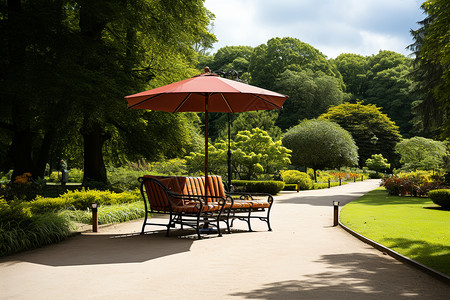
[[388, 85], [264, 120], [431, 69], [353, 68], [254, 154], [372, 130], [269, 61], [377, 163], [232, 58], [310, 95], [74, 63], [421, 153], [320, 144]]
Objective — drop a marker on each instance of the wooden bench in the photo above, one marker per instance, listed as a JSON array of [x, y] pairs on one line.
[[185, 201]]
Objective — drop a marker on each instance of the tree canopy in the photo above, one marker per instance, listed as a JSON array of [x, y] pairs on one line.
[[270, 60], [320, 144], [373, 131], [431, 69], [68, 65], [254, 154], [310, 95], [421, 153]]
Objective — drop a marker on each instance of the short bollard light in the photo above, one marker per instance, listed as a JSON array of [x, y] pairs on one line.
[[336, 213], [94, 218]]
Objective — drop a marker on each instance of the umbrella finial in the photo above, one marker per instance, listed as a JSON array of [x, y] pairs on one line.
[[207, 70]]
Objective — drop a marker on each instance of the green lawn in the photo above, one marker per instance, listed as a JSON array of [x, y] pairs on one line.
[[414, 227]]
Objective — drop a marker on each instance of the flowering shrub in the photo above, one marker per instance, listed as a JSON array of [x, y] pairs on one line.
[[22, 188], [414, 184]]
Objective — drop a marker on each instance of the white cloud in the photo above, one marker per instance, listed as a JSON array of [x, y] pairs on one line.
[[331, 26]]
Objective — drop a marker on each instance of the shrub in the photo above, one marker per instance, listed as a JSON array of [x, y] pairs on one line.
[[82, 200], [23, 188], [376, 175], [297, 177], [290, 187], [414, 184], [125, 178], [271, 187], [441, 197]]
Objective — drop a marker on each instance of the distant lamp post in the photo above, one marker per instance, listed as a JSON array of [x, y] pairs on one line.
[[336, 213], [94, 218]]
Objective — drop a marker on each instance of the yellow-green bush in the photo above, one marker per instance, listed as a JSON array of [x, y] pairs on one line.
[[297, 177], [82, 199], [269, 186]]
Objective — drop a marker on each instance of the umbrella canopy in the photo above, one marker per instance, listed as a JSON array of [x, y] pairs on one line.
[[206, 93], [224, 95]]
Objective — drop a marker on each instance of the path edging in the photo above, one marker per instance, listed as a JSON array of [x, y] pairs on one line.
[[436, 274]]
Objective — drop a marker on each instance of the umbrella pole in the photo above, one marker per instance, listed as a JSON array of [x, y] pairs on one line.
[[229, 154], [206, 143]]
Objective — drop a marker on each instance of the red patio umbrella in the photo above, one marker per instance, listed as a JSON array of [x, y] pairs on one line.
[[206, 93]]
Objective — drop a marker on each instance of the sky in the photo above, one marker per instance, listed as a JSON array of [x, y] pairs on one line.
[[332, 26]]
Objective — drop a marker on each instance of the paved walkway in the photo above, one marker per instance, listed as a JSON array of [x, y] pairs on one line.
[[303, 258]]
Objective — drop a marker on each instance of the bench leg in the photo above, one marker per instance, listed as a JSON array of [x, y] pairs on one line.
[[145, 221]]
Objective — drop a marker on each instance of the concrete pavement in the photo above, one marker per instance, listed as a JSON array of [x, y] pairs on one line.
[[304, 257]]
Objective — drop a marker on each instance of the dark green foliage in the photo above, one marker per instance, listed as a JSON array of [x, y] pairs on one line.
[[67, 66], [290, 187], [441, 197], [270, 60], [320, 144], [22, 191], [271, 187], [310, 95], [373, 131], [389, 87], [353, 68], [431, 72]]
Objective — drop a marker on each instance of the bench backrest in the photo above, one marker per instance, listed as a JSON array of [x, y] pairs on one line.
[[156, 194], [157, 197]]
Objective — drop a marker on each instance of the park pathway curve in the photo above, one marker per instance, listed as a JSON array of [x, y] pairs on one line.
[[304, 257]]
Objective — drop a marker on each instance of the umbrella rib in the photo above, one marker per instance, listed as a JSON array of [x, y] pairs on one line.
[[182, 103], [279, 107], [145, 100], [227, 103]]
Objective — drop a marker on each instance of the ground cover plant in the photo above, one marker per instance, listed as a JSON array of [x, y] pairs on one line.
[[412, 226], [26, 225]]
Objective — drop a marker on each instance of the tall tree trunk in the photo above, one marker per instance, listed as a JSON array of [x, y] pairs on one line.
[[20, 151], [92, 24], [94, 166], [44, 153]]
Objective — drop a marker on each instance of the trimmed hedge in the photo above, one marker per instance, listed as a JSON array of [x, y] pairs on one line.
[[269, 186], [441, 197], [290, 187], [82, 200]]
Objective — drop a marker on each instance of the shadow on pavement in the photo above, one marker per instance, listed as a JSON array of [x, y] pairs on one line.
[[90, 249], [349, 276]]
